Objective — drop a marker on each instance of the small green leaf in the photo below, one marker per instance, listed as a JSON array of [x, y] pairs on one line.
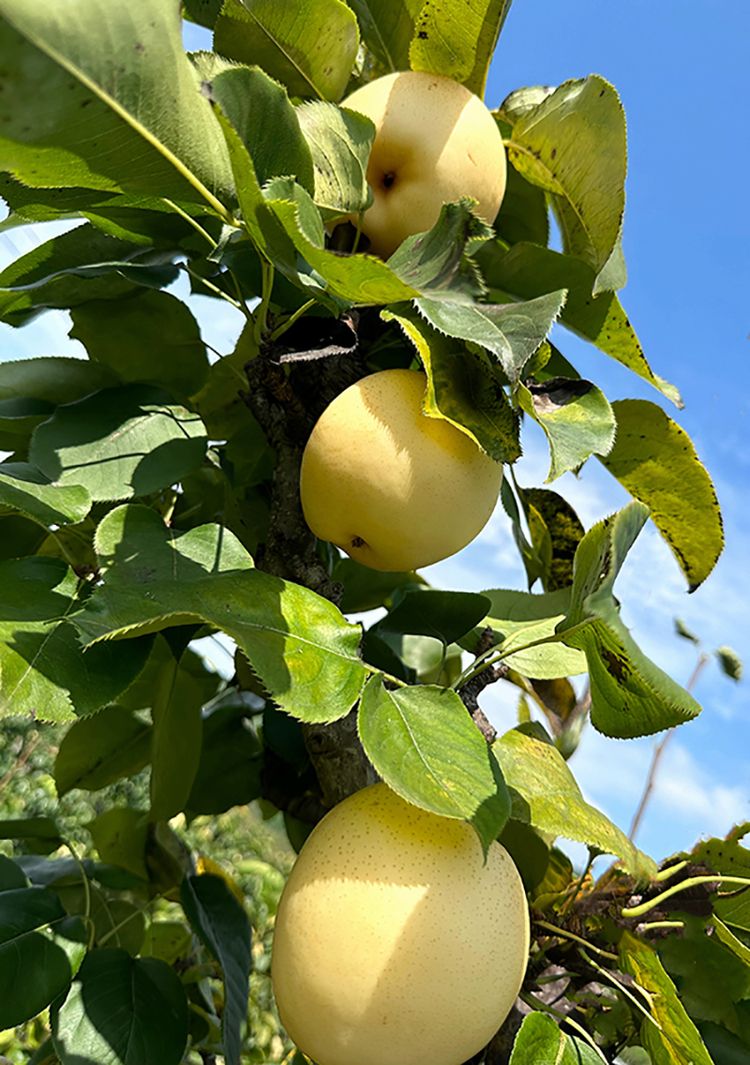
[[222, 925], [150, 337], [176, 739], [231, 760], [511, 333], [340, 143], [541, 1042], [141, 441], [25, 489], [276, 145], [526, 271], [98, 71], [69, 269], [387, 29], [34, 970], [148, 1027], [730, 662], [654, 459], [435, 262], [523, 213], [101, 749], [519, 618], [30, 389], [556, 530], [425, 746], [576, 418], [458, 40], [572, 144], [464, 388], [729, 857], [630, 695], [44, 673], [119, 835], [308, 45], [545, 794], [446, 616], [40, 834], [12, 876], [687, 634], [674, 1039], [366, 589], [298, 643]]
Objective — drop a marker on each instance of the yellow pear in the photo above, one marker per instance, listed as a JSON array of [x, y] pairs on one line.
[[394, 941], [435, 141], [393, 488]]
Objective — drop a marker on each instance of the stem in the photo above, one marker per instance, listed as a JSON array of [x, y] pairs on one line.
[[116, 928], [692, 881], [196, 225], [671, 870], [387, 676], [565, 934], [291, 319], [214, 288], [578, 885], [659, 752], [355, 245], [86, 894], [609, 975], [648, 925], [261, 313]]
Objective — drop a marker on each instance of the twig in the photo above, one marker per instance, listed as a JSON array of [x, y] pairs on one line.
[[659, 753]]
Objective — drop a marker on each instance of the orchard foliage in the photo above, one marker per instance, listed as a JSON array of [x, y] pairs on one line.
[[148, 498]]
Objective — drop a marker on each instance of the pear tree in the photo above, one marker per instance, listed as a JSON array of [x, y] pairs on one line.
[[336, 179]]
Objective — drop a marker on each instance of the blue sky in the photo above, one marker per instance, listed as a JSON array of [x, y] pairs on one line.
[[681, 71]]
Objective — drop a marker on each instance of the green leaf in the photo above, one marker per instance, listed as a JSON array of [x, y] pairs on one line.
[[30, 389], [25, 489], [176, 739], [518, 618], [81, 265], [732, 859], [730, 662], [526, 271], [572, 144], [464, 388], [276, 145], [40, 834], [44, 674], [231, 760], [12, 876], [101, 749], [140, 441], [545, 794], [576, 418], [687, 634], [732, 942], [119, 835], [149, 1025], [365, 588], [556, 530], [458, 40], [511, 333], [437, 262], [340, 143], [222, 925], [149, 337], [99, 71], [523, 214], [630, 696], [387, 29], [308, 45], [676, 1039], [34, 970], [425, 746], [655, 460], [168, 940], [536, 554], [541, 1042], [298, 643], [446, 616]]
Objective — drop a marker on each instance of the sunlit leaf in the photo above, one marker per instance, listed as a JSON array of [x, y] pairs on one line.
[[425, 746], [458, 39], [576, 418], [24, 489]]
